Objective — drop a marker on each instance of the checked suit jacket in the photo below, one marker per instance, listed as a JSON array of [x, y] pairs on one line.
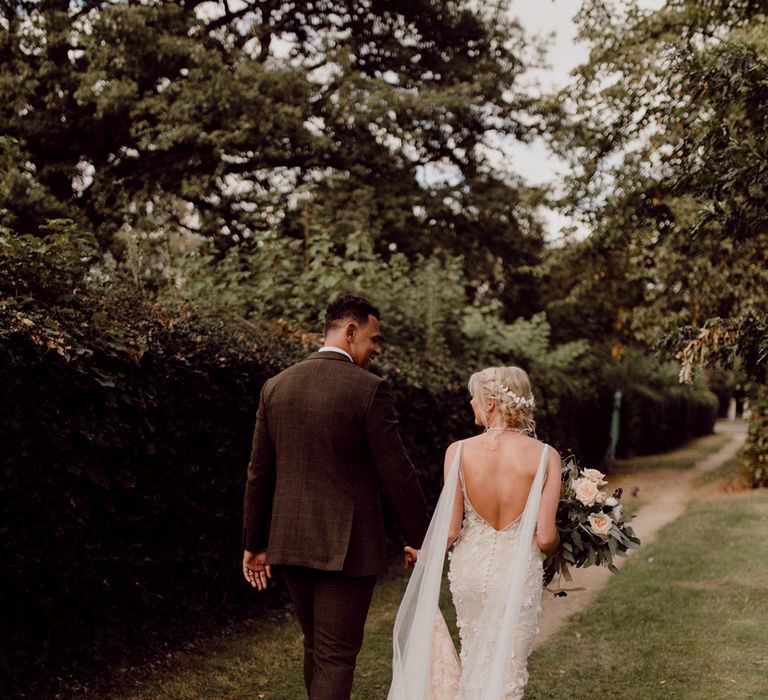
[[326, 435]]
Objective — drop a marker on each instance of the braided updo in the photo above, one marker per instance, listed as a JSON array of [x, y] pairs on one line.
[[510, 390]]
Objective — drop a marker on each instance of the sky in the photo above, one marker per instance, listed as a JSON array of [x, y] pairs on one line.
[[543, 18]]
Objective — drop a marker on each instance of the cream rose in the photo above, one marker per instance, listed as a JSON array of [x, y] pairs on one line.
[[586, 491], [601, 496], [600, 524], [595, 475]]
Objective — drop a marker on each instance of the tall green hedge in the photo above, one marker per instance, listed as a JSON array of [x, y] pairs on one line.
[[122, 483], [655, 420]]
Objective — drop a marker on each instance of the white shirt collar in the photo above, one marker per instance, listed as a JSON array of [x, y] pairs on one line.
[[331, 348]]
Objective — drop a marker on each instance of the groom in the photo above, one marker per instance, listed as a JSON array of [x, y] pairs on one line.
[[326, 435]]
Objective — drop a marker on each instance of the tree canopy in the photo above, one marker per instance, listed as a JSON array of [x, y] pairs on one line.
[[241, 121], [666, 129]]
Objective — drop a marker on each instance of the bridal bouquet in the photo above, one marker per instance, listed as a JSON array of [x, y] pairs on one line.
[[593, 527]]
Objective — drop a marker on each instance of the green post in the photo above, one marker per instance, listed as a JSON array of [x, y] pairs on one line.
[[614, 425]]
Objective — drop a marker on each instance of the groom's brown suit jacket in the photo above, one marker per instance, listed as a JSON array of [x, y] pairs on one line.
[[326, 435]]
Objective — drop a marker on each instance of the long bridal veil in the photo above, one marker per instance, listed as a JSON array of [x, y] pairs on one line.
[[416, 618], [419, 615]]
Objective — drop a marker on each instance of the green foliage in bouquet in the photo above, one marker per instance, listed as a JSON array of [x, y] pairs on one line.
[[592, 524]]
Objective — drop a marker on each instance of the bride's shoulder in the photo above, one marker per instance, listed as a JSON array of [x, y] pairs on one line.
[[535, 445], [467, 442], [450, 451], [539, 445]]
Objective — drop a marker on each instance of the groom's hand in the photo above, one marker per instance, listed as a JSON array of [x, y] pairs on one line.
[[410, 557], [255, 569]]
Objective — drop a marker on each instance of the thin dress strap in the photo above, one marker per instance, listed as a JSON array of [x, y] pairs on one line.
[[543, 462], [462, 481]]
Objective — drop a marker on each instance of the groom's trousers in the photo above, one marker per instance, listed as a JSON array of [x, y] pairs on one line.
[[331, 607]]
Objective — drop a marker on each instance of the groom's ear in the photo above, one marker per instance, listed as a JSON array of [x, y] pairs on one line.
[[350, 331]]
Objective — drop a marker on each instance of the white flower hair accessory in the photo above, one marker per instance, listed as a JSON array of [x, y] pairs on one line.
[[516, 398]]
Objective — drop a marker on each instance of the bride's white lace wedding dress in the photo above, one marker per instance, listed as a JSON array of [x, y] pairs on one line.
[[479, 562], [495, 579]]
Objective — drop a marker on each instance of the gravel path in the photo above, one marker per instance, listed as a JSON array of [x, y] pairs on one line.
[[665, 493]]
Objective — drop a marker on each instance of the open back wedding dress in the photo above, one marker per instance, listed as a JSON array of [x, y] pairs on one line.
[[496, 581]]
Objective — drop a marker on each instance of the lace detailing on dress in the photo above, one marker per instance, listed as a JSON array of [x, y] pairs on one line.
[[476, 565]]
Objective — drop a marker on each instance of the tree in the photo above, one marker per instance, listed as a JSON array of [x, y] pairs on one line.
[[135, 118], [667, 130]]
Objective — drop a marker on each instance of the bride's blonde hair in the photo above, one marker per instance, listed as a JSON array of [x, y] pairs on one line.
[[510, 390]]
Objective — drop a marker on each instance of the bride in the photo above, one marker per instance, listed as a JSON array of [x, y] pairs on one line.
[[497, 509]]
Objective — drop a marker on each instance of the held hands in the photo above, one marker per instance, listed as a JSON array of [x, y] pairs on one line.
[[255, 569], [410, 557]]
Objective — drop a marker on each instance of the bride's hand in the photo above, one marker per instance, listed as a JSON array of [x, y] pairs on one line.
[[410, 557]]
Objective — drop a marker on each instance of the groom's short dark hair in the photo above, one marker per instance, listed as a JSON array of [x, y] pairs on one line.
[[349, 307]]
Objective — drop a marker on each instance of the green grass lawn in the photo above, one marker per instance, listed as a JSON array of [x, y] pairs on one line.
[[264, 660], [682, 458], [686, 619], [729, 469]]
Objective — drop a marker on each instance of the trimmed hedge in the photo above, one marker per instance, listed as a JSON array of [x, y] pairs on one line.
[[654, 420], [122, 486]]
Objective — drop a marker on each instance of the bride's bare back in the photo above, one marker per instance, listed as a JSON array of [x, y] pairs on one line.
[[499, 468]]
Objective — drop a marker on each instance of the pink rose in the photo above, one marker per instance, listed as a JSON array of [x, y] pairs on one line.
[[600, 524], [586, 491], [596, 476]]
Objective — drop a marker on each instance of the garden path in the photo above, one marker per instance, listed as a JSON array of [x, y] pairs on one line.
[[663, 494]]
